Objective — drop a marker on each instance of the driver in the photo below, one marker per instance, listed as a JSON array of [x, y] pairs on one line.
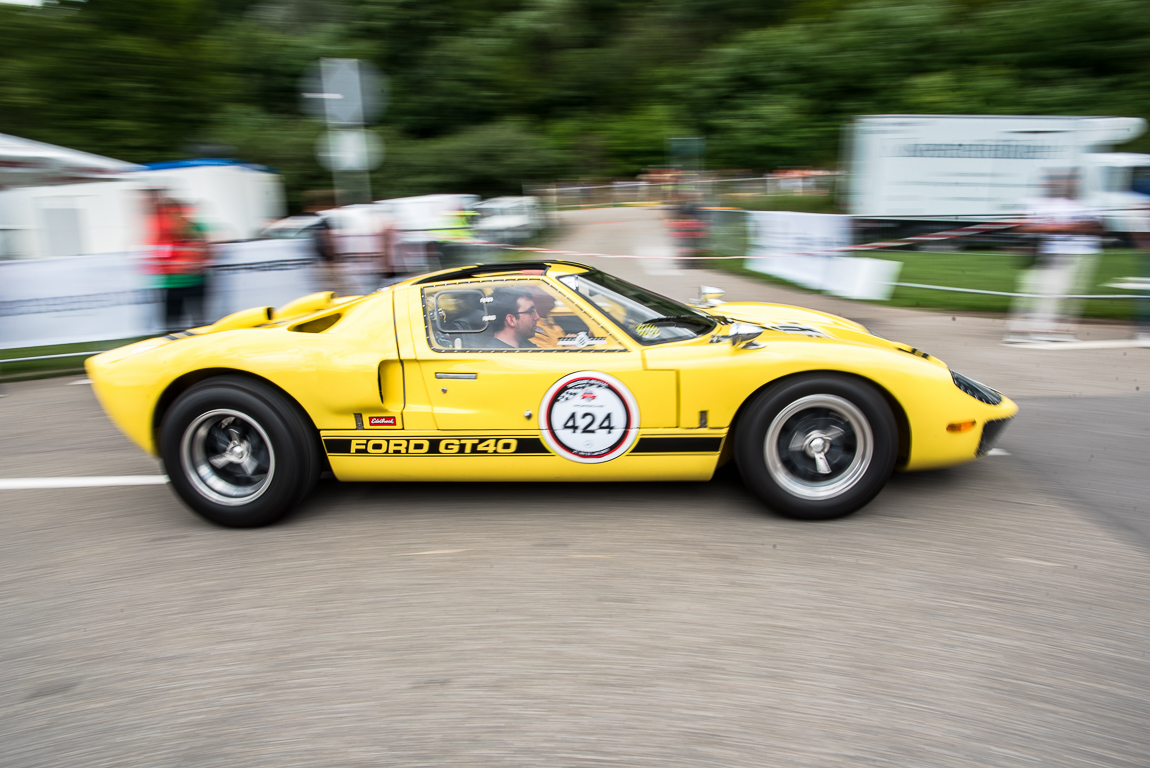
[[515, 318]]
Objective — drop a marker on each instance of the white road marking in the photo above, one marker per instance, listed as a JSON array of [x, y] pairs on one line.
[[40, 483], [433, 552], [998, 452], [1100, 344], [1031, 561]]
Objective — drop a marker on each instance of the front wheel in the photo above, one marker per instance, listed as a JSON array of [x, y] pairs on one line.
[[817, 447], [238, 452]]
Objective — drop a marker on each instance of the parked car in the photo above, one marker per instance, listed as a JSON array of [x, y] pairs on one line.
[[512, 220], [290, 228]]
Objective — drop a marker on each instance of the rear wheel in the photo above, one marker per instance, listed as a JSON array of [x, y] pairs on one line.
[[238, 452], [817, 447]]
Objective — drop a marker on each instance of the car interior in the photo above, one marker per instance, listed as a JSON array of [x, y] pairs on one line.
[[458, 319]]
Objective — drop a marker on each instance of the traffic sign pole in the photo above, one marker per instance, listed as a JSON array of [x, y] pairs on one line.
[[346, 94]]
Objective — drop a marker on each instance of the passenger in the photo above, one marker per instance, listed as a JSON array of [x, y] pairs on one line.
[[547, 331], [515, 317]]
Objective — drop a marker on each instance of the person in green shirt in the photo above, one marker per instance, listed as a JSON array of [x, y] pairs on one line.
[[179, 260]]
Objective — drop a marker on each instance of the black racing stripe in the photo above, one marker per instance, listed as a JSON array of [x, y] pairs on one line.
[[678, 445], [386, 445]]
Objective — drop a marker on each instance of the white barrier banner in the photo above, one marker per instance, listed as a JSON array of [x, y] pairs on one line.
[[803, 249], [259, 273], [75, 299], [110, 296]]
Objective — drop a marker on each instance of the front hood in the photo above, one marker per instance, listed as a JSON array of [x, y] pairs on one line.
[[784, 316], [783, 322]]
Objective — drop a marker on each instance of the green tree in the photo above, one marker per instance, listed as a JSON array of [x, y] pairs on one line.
[[488, 94], [127, 78]]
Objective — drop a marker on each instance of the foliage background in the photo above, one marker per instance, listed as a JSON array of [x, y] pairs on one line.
[[489, 94]]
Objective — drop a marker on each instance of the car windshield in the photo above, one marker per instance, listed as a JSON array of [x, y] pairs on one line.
[[646, 317]]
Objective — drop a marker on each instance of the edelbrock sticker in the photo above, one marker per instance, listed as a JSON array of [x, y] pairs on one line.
[[589, 417]]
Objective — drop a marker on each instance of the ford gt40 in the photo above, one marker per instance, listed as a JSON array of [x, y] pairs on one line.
[[537, 371]]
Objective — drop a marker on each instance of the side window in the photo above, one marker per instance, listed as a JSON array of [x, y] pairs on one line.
[[509, 315]]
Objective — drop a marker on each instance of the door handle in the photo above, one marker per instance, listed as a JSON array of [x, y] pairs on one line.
[[440, 375]]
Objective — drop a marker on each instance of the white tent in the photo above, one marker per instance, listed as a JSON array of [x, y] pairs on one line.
[[27, 163]]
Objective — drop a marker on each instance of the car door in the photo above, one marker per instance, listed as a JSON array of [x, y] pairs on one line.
[[573, 387]]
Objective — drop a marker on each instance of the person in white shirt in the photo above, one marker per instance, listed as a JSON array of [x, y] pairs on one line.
[[1069, 241], [1140, 233]]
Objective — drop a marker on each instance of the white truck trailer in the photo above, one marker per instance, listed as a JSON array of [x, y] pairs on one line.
[[233, 200], [910, 174]]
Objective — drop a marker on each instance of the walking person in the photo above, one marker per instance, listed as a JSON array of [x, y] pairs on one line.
[[1140, 233], [1068, 244], [387, 261], [193, 257], [178, 257], [323, 237]]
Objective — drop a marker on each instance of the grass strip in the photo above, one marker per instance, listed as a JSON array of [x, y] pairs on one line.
[[986, 271], [978, 270], [53, 366]]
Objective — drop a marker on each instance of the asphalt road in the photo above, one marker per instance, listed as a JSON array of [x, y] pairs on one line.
[[988, 615]]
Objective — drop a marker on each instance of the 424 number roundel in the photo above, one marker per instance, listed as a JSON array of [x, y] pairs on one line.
[[589, 417]]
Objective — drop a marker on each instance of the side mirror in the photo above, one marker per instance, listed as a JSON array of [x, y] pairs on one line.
[[709, 296], [742, 334]]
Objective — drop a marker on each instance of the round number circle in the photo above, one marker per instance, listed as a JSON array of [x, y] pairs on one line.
[[589, 417]]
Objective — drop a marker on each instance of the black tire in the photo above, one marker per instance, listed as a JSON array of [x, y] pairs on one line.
[[818, 446], [238, 452]]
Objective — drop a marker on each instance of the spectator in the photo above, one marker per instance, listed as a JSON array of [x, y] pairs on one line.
[[319, 204], [1067, 249], [449, 244], [387, 266], [1140, 231], [178, 257], [689, 230]]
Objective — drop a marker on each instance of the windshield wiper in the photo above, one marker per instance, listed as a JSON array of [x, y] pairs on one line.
[[698, 321]]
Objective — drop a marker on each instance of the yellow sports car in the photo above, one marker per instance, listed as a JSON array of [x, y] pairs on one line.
[[537, 371]]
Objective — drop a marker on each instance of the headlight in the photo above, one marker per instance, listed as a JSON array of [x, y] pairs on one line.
[[978, 391]]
